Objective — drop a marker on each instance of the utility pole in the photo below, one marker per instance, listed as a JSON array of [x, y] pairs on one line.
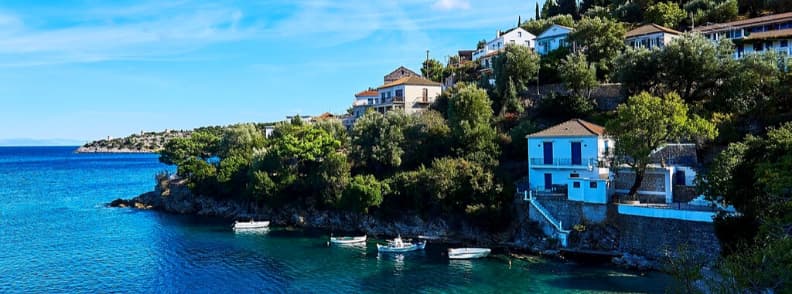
[[427, 55]]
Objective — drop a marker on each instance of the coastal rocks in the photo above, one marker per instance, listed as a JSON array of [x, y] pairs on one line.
[[634, 262], [121, 203], [93, 149], [594, 237]]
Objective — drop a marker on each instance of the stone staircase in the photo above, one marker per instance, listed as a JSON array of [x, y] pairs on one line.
[[551, 226]]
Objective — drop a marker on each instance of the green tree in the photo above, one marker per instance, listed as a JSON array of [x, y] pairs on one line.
[[514, 69], [240, 140], [469, 117], [362, 193], [433, 70], [691, 65], [377, 142], [638, 70], [752, 84], [667, 14], [578, 76], [427, 136], [539, 25], [601, 39], [646, 123]]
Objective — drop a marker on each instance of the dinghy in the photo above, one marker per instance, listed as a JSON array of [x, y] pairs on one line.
[[398, 245], [468, 253], [347, 240], [250, 225]]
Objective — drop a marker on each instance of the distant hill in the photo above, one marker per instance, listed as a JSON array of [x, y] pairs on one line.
[[145, 142]]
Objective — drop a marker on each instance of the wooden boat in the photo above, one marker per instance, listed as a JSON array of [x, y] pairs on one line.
[[347, 240], [250, 225], [468, 253], [398, 245]]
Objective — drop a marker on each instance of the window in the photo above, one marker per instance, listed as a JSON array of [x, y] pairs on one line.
[[575, 185], [593, 185], [574, 175], [382, 95], [425, 95], [512, 41], [399, 93], [519, 34], [784, 43]]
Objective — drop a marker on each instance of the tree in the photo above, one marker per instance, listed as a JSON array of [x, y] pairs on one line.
[[715, 11], [578, 76], [469, 117], [691, 65], [427, 136], [537, 14], [362, 193], [568, 7], [433, 70], [667, 14], [638, 70], [377, 142], [646, 123], [601, 39], [539, 25], [516, 67], [752, 84]]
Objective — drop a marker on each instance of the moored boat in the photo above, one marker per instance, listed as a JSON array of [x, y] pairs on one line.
[[250, 225], [398, 245], [468, 253], [347, 240]]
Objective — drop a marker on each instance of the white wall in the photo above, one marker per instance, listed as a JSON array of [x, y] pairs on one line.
[[584, 192], [748, 48], [414, 94], [551, 39], [652, 39], [667, 213]]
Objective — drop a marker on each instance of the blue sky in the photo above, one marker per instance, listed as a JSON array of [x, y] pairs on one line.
[[72, 71]]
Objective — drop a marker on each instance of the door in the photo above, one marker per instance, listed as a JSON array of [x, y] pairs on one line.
[[548, 152], [576, 154], [548, 182]]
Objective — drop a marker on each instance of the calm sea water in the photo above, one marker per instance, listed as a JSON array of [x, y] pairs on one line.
[[57, 236]]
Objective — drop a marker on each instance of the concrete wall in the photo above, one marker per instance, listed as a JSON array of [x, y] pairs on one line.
[[651, 237], [571, 213]]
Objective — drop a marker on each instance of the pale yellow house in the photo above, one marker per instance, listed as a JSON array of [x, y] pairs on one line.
[[412, 94]]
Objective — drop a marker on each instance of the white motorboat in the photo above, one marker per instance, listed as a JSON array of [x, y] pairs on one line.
[[250, 225], [398, 245], [468, 253], [347, 240]]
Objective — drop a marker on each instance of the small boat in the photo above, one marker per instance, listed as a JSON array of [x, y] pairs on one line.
[[347, 240], [467, 253], [398, 245], [250, 225]]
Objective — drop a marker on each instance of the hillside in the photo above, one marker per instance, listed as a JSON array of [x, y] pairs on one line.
[[144, 142]]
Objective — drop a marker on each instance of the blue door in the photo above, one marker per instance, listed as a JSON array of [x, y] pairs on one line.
[[576, 154], [548, 182], [548, 152]]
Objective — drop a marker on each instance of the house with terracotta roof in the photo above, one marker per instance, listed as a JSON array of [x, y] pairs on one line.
[[411, 94], [650, 36], [363, 101], [758, 34], [554, 37], [570, 157]]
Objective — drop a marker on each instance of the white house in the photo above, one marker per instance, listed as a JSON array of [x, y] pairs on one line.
[[411, 94], [363, 101], [758, 34], [515, 36], [650, 36], [554, 37], [570, 157]]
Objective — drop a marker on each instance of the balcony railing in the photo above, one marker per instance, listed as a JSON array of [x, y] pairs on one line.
[[586, 162]]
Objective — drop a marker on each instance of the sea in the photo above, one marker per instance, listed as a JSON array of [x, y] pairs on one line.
[[58, 236]]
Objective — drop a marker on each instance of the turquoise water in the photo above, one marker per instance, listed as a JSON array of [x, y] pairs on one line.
[[57, 236]]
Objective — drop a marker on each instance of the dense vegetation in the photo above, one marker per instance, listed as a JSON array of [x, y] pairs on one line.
[[462, 158], [142, 142]]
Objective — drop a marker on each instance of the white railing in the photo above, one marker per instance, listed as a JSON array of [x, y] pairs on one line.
[[557, 224]]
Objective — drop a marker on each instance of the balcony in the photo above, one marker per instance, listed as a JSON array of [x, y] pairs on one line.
[[568, 163]]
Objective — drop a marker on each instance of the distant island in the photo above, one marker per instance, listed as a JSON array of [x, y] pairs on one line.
[[143, 142]]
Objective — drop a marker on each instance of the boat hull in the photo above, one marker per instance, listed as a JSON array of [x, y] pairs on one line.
[[347, 240], [412, 247], [251, 225], [468, 253]]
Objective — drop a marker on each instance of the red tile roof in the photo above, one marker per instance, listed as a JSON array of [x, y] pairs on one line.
[[650, 29], [367, 93], [571, 128], [411, 80]]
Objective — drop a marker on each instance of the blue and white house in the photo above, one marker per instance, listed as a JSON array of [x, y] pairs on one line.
[[553, 38], [571, 157]]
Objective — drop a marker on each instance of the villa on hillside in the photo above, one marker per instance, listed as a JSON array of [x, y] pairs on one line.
[[411, 94], [572, 180], [650, 36], [759, 34], [514, 36], [554, 37], [363, 101]]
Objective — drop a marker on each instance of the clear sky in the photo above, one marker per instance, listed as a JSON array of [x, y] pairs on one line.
[[72, 71]]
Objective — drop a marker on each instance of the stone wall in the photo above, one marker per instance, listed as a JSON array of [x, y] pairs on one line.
[[607, 96], [684, 193], [571, 213], [653, 237]]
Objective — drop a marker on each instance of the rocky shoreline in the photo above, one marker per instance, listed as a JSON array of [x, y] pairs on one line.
[[86, 149], [522, 236]]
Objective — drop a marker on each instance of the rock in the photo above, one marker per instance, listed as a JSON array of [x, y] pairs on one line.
[[634, 262], [119, 203]]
